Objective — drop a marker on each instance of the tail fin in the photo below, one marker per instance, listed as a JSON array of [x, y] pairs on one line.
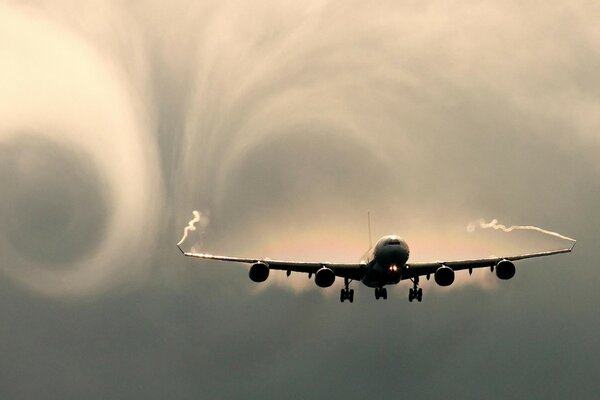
[[369, 224]]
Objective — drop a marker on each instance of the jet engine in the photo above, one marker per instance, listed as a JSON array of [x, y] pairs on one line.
[[259, 272], [505, 269], [444, 276], [324, 277]]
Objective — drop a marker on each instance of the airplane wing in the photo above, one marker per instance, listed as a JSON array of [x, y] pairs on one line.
[[426, 268], [351, 271]]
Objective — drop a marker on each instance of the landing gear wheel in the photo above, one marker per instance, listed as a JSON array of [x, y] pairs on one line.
[[347, 293], [415, 292], [381, 293]]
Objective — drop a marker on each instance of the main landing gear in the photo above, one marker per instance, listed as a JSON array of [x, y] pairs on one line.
[[347, 293], [415, 292], [380, 292]]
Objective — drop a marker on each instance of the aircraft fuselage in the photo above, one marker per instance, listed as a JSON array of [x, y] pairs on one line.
[[386, 262]]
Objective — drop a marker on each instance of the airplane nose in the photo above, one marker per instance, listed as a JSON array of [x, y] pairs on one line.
[[392, 251], [395, 256], [401, 255]]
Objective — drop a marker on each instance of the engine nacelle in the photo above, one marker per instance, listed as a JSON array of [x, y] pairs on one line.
[[444, 276], [324, 277], [259, 272], [505, 269]]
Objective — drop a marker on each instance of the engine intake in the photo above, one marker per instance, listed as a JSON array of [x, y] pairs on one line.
[[505, 269], [444, 276], [324, 277], [259, 272]]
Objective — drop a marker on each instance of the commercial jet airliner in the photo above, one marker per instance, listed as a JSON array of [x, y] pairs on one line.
[[386, 263]]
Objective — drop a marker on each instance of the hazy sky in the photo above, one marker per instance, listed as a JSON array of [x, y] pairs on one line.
[[283, 122]]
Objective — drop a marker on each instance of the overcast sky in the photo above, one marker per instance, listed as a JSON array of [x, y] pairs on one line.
[[282, 122]]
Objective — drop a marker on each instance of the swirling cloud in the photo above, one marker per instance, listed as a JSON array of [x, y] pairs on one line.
[[57, 89]]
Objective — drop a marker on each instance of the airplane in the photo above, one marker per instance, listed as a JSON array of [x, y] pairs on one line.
[[384, 264]]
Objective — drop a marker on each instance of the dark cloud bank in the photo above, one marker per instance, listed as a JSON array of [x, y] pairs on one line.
[[281, 121]]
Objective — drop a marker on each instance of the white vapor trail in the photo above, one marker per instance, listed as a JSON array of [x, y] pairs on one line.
[[191, 226], [493, 224]]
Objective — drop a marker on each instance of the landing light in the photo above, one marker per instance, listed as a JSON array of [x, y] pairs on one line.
[[393, 268]]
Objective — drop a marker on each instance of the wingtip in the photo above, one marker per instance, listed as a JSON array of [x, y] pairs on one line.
[[573, 246], [180, 249]]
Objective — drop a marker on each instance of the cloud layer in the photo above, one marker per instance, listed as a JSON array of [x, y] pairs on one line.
[[284, 122]]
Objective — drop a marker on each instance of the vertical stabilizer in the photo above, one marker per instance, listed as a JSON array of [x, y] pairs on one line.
[[369, 224]]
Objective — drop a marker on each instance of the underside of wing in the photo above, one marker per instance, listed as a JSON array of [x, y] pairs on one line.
[[346, 270], [426, 268]]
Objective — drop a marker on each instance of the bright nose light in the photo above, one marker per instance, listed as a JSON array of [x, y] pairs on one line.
[[393, 268]]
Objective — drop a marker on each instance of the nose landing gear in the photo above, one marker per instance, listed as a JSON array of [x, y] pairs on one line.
[[347, 293], [381, 292], [415, 292]]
